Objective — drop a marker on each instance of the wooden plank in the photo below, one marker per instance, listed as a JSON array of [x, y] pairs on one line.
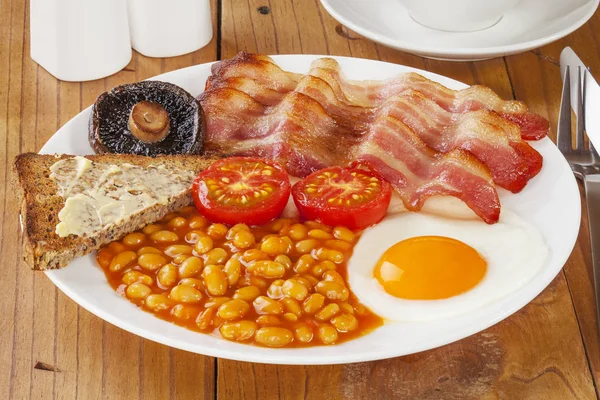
[[192, 376], [16, 300], [521, 357]]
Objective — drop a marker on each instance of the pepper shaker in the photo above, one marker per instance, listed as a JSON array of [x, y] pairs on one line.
[[168, 28]]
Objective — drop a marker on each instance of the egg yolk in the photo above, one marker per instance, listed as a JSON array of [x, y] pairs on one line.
[[429, 268]]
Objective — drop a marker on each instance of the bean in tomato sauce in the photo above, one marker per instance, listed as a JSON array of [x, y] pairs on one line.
[[283, 284]]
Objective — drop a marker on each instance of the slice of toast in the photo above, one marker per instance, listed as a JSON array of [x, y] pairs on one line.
[[41, 202]]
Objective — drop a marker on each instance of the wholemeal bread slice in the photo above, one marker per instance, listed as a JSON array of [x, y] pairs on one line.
[[41, 202]]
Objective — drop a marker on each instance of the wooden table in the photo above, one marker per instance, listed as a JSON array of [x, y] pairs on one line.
[[52, 348]]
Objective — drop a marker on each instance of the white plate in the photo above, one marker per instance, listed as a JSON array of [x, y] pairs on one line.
[[550, 202], [529, 25]]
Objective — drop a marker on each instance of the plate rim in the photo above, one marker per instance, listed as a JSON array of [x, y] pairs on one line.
[[275, 356], [462, 53]]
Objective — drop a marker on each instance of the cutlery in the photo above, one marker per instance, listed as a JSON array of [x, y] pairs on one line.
[[591, 99], [585, 162]]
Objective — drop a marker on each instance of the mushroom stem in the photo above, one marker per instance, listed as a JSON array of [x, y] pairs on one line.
[[149, 122]]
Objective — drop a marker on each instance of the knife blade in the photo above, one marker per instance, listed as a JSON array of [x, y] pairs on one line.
[[592, 96]]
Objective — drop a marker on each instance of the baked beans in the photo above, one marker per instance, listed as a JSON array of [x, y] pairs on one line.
[[278, 285]]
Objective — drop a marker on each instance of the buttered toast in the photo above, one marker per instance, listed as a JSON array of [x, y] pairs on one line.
[[72, 205]]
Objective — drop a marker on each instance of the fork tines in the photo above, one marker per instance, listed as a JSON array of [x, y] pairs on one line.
[[564, 138]]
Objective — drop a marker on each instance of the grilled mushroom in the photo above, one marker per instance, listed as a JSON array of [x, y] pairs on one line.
[[146, 118]]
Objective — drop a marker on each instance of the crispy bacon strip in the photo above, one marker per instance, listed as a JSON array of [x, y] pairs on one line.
[[417, 172], [512, 161], [265, 72], [483, 133], [297, 131], [257, 67], [368, 94]]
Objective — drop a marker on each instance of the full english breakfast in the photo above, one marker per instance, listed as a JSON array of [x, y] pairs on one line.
[[291, 210]]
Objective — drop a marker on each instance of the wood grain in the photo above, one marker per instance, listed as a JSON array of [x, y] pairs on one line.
[[52, 348]]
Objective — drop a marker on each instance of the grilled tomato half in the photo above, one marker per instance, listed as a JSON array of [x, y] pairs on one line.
[[245, 190], [352, 197]]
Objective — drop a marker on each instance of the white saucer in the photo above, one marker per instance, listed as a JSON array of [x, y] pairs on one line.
[[530, 24]]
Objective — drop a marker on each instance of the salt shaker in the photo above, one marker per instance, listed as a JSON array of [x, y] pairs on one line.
[[167, 28], [80, 40]]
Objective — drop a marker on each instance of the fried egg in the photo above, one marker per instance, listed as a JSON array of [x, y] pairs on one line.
[[420, 267]]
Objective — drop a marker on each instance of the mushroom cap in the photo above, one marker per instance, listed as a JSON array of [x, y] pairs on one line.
[[109, 130]]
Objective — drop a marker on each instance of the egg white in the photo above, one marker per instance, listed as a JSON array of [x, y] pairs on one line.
[[514, 250]]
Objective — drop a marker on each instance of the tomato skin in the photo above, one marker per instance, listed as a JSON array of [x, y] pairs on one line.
[[257, 211], [357, 215]]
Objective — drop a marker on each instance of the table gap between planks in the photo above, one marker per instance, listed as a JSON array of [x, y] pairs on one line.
[[51, 348]]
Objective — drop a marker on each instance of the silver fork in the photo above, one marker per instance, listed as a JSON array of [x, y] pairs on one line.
[[585, 163]]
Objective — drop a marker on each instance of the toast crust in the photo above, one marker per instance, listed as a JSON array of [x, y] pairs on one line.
[[40, 204]]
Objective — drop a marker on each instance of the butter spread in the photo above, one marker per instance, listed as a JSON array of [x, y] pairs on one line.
[[100, 194]]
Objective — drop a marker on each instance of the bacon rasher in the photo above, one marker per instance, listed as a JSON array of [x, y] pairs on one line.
[[476, 97], [256, 67], [297, 131], [491, 139], [416, 137], [417, 172]]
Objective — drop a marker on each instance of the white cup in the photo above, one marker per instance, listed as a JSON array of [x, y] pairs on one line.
[[80, 40], [168, 28], [458, 15]]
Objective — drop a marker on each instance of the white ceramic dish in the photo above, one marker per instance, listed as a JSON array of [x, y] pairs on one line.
[[550, 202], [529, 25]]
